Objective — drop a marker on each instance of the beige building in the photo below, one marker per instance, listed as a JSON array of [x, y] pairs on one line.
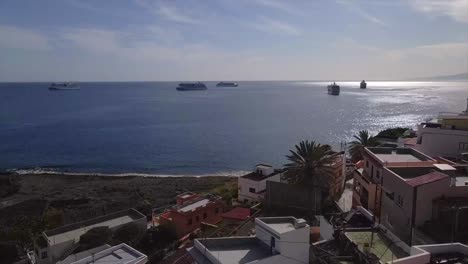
[[367, 187]]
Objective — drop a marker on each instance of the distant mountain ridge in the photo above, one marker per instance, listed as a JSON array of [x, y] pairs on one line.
[[454, 77]]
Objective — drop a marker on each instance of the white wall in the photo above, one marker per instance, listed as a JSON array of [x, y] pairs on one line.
[[441, 142], [296, 244], [326, 229], [244, 184]]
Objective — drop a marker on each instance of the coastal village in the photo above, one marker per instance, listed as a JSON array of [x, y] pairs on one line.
[[397, 197]]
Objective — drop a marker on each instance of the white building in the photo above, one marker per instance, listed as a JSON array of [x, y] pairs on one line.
[[56, 244], [445, 136], [436, 253], [252, 186], [278, 240], [120, 254]]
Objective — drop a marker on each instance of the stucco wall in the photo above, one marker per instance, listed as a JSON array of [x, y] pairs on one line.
[[441, 142]]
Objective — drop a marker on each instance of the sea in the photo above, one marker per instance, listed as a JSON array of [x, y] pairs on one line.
[[150, 128]]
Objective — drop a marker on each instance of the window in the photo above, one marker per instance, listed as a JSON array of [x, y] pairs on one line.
[[216, 210], [399, 200], [197, 219], [252, 190], [204, 215], [189, 222], [372, 172], [377, 174], [463, 146], [44, 254], [367, 164]]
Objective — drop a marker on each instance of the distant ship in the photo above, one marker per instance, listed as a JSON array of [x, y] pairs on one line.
[[333, 89], [191, 86], [227, 84], [64, 86], [363, 84]]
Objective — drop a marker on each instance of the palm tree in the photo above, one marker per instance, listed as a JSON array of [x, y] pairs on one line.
[[309, 164], [363, 139]]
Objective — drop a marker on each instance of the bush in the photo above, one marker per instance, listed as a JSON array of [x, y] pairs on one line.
[[126, 233], [392, 133]]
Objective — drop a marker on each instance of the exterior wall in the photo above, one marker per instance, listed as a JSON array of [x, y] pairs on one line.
[[180, 221], [337, 178], [245, 184], [397, 217], [296, 245], [361, 185], [298, 251], [442, 142], [290, 198]]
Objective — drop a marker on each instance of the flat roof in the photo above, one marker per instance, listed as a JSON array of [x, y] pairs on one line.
[[195, 205], [119, 254], [381, 246], [75, 234], [391, 155], [281, 224], [257, 176], [236, 250], [460, 181]]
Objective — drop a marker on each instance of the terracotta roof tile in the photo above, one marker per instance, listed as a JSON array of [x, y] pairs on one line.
[[426, 178], [237, 213]]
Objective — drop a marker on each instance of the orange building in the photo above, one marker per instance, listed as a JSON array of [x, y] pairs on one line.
[[190, 211]]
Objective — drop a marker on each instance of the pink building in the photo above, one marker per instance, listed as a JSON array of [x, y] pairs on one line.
[[190, 212]]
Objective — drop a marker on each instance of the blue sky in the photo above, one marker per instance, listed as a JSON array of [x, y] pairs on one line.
[[125, 40]]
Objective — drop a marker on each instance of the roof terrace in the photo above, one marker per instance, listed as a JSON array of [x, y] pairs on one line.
[[381, 246], [399, 156], [231, 250], [120, 254], [74, 231]]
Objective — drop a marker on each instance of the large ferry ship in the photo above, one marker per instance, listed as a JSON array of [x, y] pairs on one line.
[[191, 86], [363, 85], [64, 86], [333, 89], [227, 84]]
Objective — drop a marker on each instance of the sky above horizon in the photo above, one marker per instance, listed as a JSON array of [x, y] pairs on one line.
[[160, 40]]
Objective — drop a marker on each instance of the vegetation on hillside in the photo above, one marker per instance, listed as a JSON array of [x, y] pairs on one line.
[[392, 133]]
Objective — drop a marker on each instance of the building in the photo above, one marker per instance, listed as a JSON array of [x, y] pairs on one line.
[[446, 135], [190, 211], [277, 240], [368, 179], [411, 192], [252, 186], [120, 254], [236, 215], [436, 253], [337, 177], [56, 244]]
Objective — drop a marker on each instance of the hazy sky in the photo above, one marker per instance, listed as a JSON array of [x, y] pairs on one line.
[[121, 40]]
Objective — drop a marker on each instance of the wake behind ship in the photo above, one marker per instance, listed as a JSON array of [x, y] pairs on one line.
[[64, 86], [333, 89], [191, 86]]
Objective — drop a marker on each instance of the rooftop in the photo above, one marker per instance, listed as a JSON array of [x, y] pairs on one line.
[[427, 178], [254, 176], [235, 250], [455, 253], [195, 205], [74, 231], [281, 224], [398, 155], [238, 213], [120, 254], [381, 246]]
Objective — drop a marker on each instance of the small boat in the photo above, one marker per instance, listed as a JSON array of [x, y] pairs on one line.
[[363, 84], [227, 84], [333, 89], [64, 86], [193, 86]]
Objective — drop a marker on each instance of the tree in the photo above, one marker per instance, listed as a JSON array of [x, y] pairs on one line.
[[95, 237], [363, 139], [309, 165]]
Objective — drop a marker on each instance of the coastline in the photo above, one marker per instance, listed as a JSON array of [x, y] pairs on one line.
[[79, 197]]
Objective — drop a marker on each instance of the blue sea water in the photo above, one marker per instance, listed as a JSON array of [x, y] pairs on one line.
[[150, 128]]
